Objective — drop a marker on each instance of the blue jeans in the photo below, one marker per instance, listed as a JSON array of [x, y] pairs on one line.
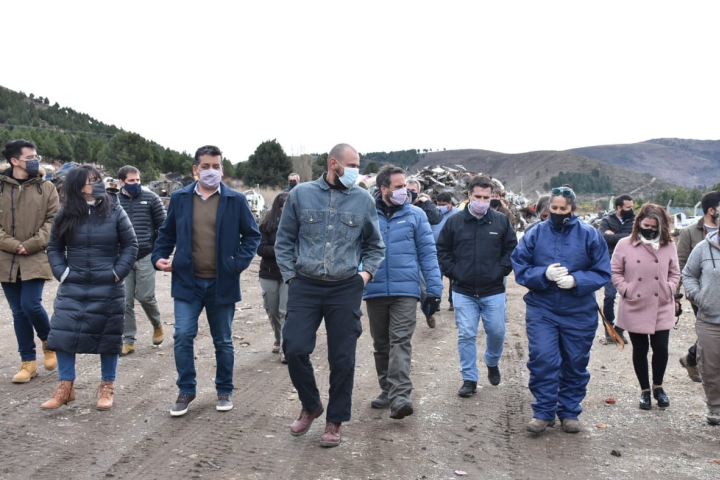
[[25, 300], [66, 366], [468, 311], [220, 317], [609, 303]]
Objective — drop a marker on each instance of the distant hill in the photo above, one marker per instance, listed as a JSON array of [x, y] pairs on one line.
[[528, 172], [688, 163]]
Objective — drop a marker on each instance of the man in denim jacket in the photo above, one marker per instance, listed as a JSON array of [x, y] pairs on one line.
[[327, 227]]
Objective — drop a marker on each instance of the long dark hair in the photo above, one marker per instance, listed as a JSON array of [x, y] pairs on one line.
[[73, 204], [271, 220], [658, 212]]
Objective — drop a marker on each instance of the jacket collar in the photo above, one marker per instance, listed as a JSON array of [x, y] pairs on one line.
[[325, 186]]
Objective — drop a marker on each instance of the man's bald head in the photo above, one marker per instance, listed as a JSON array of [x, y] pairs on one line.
[[340, 152]]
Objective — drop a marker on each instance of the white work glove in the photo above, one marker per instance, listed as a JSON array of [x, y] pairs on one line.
[[568, 281], [555, 271]]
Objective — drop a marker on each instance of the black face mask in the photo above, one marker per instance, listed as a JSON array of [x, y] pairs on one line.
[[495, 203], [291, 184], [648, 233], [98, 190], [559, 219], [413, 196], [627, 214]]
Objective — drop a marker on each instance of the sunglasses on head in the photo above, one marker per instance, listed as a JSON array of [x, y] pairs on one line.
[[564, 191]]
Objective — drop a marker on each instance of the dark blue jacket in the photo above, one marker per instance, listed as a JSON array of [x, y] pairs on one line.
[[578, 247], [237, 238], [410, 247]]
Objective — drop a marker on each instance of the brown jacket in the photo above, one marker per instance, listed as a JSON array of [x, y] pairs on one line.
[[645, 280], [26, 215], [689, 237]]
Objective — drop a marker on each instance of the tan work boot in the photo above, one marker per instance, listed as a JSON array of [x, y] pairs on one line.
[[27, 371], [50, 359], [127, 349], [64, 394], [158, 335], [105, 391]]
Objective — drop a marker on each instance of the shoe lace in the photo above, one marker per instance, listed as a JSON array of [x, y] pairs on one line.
[[105, 389], [61, 391]]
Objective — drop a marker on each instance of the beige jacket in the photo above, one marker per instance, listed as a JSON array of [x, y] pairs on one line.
[[26, 215]]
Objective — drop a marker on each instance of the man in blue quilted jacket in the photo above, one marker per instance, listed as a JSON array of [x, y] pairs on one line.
[[392, 296]]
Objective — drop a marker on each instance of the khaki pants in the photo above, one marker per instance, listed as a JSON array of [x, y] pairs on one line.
[[708, 352]]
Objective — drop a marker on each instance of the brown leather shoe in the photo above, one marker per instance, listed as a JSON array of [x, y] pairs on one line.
[[64, 393], [304, 421], [105, 390], [331, 437]]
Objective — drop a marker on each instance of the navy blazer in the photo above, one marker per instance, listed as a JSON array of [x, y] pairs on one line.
[[237, 239]]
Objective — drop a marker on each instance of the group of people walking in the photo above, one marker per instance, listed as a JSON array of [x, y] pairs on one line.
[[326, 246]]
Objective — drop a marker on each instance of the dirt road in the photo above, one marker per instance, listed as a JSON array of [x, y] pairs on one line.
[[483, 436]]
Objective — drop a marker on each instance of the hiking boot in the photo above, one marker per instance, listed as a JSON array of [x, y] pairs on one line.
[[27, 371], [468, 388], [645, 402], [276, 347], [50, 359], [224, 402], [331, 437], [494, 375], [662, 399], [63, 394], [105, 392], [158, 335], [713, 418], [693, 372], [305, 420], [127, 349], [570, 425], [537, 425], [401, 410], [181, 404], [381, 401], [430, 321]]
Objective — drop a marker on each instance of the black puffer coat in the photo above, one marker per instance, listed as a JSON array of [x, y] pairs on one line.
[[268, 265], [147, 214], [90, 304]]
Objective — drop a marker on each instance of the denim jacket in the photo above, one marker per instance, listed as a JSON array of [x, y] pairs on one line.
[[325, 232]]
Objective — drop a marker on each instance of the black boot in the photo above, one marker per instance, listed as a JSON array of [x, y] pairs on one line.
[[468, 389], [645, 402], [661, 397]]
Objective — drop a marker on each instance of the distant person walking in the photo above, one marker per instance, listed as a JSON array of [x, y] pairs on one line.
[[274, 289], [293, 181], [645, 272], [28, 205], [215, 237], [446, 207], [326, 228], [147, 214], [92, 249], [614, 227]]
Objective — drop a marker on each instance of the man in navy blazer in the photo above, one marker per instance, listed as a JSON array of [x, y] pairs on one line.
[[215, 238]]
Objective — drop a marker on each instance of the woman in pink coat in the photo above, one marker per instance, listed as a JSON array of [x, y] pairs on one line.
[[646, 273]]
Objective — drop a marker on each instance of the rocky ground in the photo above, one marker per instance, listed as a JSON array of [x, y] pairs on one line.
[[483, 436]]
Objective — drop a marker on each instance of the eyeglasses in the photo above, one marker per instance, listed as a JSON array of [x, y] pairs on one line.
[[564, 191], [31, 158]]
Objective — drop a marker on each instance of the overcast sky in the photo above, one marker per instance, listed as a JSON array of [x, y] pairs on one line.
[[511, 76]]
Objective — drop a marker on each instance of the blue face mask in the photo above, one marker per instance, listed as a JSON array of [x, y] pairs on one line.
[[133, 189], [444, 208], [349, 177]]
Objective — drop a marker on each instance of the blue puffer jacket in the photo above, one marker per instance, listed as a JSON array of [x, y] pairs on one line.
[[578, 247], [410, 247]]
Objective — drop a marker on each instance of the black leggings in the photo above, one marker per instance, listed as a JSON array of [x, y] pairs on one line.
[[659, 343]]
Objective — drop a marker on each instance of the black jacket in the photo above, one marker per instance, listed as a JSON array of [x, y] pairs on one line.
[[434, 215], [268, 265], [147, 214], [475, 253], [619, 228], [89, 309]]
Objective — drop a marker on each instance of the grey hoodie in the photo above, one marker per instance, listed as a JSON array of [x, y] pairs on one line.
[[701, 277]]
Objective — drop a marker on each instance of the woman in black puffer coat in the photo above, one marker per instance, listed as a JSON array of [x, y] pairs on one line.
[[92, 249]]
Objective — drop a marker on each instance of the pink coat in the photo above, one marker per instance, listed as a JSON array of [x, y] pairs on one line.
[[646, 281]]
